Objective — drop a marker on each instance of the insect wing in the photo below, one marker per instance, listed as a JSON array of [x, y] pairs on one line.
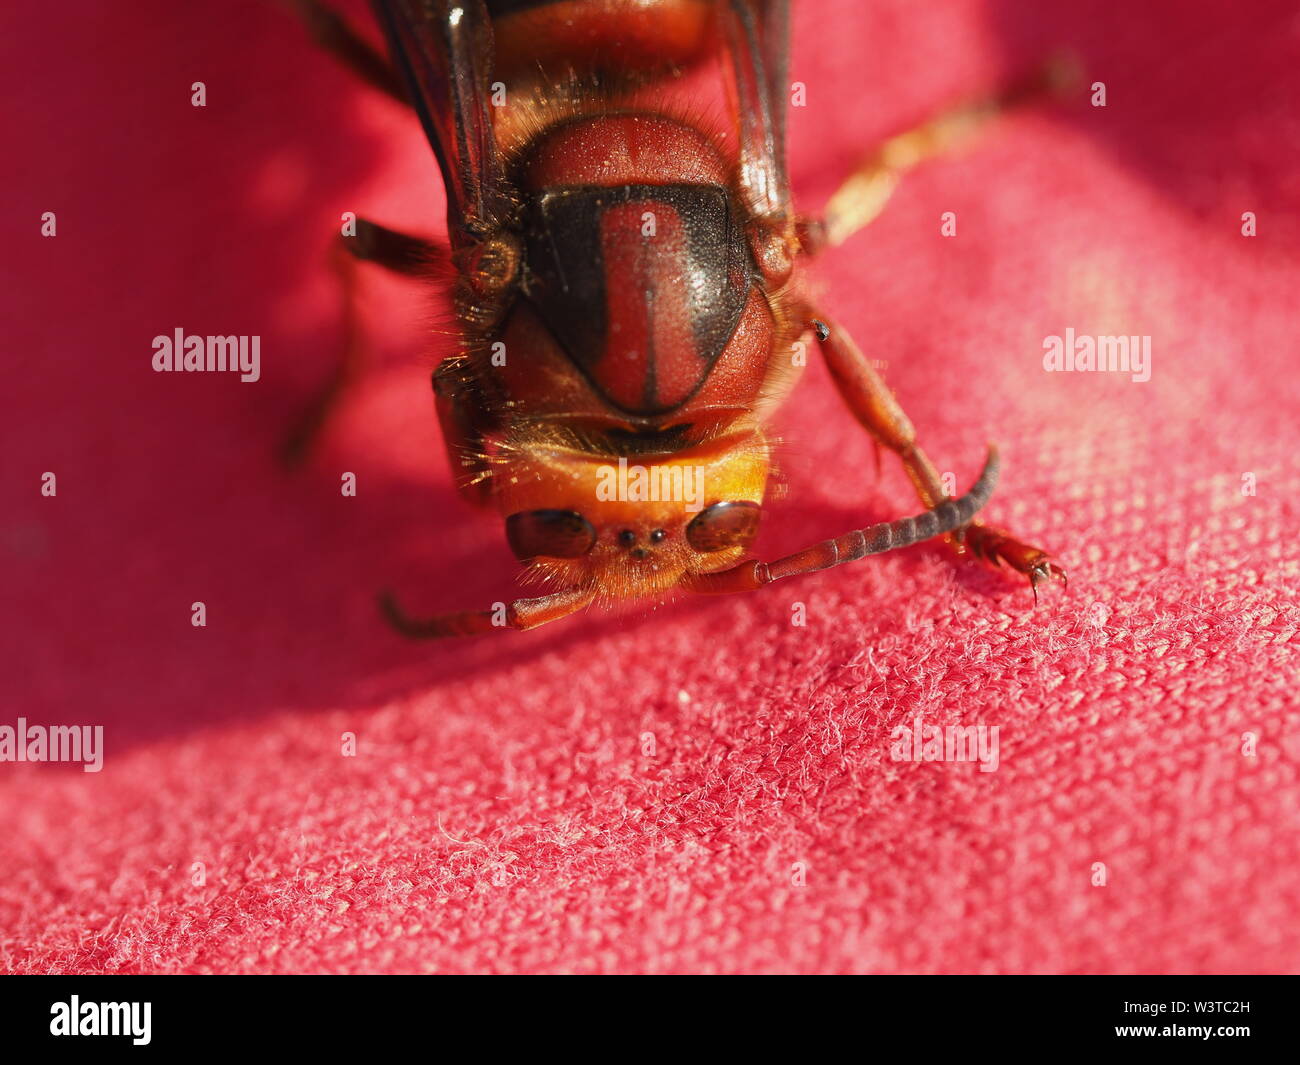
[[757, 36], [443, 51]]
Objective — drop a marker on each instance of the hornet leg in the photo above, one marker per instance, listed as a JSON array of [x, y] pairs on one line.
[[866, 191], [876, 409], [403, 254], [332, 33], [521, 614]]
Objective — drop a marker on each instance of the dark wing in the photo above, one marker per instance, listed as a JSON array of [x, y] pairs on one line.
[[757, 36], [443, 51]]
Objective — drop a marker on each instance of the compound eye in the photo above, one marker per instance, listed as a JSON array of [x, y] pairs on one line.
[[553, 533], [724, 525]]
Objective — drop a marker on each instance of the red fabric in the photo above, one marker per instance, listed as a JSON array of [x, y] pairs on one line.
[[500, 814]]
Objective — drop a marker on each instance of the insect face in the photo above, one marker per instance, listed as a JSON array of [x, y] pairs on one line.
[[631, 526]]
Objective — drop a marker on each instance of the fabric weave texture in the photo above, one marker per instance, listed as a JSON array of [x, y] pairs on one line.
[[701, 785]]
